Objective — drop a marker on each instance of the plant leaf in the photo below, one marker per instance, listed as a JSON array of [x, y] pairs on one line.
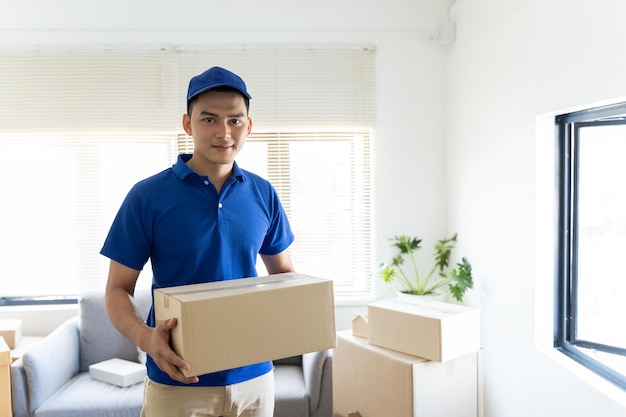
[[387, 273], [397, 261], [443, 250], [406, 244], [462, 279]]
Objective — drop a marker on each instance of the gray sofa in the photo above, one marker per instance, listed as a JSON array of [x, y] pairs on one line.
[[52, 378]]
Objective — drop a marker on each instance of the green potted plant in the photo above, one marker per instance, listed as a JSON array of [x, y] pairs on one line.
[[458, 279]]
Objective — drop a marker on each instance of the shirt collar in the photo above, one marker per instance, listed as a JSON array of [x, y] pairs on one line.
[[182, 171]]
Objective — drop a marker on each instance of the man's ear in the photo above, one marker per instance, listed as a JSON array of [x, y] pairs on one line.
[[249, 126], [187, 124]]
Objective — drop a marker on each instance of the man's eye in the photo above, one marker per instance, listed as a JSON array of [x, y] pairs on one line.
[[236, 121], [208, 119]]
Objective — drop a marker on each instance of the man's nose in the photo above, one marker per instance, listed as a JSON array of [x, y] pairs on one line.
[[224, 130]]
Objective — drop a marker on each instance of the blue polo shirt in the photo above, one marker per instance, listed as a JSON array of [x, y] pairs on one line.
[[192, 234]]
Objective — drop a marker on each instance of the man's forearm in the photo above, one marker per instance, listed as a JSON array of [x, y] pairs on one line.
[[125, 317]]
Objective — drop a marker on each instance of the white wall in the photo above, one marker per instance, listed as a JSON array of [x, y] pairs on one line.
[[515, 60]]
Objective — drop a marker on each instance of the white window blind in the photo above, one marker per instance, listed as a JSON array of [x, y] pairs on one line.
[[327, 197], [80, 126]]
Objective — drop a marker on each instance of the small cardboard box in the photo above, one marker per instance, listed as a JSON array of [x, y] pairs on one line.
[[11, 330], [118, 372], [5, 379], [228, 324], [426, 328], [359, 325], [378, 382]]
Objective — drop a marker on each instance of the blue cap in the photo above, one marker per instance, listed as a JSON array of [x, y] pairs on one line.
[[213, 78]]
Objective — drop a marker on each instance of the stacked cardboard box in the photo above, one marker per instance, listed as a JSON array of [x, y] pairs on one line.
[[11, 330], [5, 379], [379, 382], [418, 358], [423, 327]]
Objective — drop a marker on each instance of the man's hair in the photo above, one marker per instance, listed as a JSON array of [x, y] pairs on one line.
[[223, 89]]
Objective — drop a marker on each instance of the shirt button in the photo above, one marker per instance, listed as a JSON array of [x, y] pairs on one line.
[[206, 182], [219, 205]]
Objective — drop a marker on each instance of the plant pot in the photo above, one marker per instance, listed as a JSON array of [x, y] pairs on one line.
[[436, 296]]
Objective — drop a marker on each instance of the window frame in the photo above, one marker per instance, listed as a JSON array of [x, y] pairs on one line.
[[566, 339]]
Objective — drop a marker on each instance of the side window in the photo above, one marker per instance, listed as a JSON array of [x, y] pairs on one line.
[[592, 240]]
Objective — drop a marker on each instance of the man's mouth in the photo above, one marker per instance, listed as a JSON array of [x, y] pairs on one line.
[[223, 145]]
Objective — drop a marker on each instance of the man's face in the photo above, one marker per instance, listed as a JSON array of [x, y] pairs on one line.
[[219, 125]]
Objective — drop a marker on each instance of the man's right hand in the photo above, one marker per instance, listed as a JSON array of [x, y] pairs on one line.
[[158, 347], [126, 319]]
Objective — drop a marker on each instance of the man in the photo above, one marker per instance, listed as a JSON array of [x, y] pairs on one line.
[[204, 219]]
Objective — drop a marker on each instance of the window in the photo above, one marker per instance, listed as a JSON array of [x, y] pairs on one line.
[[326, 196], [592, 240], [58, 195], [81, 126]]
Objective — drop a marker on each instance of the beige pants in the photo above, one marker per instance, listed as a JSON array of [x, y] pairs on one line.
[[253, 398]]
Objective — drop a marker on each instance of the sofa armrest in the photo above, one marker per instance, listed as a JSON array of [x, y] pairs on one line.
[[325, 406], [19, 389], [52, 363], [315, 370]]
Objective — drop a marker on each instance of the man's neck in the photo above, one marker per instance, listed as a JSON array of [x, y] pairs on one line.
[[218, 174]]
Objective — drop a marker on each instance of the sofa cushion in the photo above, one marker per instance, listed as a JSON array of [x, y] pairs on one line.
[[84, 396], [99, 340]]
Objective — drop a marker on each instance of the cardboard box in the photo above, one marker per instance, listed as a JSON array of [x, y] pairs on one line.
[[118, 372], [11, 330], [378, 382], [228, 324], [421, 327], [5, 379], [359, 326]]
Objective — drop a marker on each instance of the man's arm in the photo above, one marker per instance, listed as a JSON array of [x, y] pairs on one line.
[[126, 319], [279, 263]]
